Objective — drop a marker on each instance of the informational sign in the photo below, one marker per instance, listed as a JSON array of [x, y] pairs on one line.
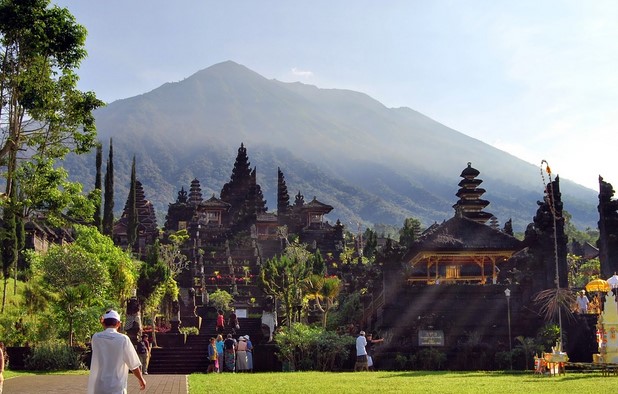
[[241, 313], [430, 338]]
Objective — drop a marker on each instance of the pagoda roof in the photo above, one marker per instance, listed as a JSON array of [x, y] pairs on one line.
[[469, 171], [470, 192], [214, 203], [267, 217], [469, 182], [461, 234], [315, 205]]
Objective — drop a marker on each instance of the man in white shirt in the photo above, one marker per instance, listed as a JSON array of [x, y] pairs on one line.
[[582, 302], [113, 355], [361, 353]]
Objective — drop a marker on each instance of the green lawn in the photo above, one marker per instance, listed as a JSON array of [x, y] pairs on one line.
[[401, 382]]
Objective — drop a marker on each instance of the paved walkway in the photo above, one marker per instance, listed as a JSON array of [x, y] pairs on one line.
[[65, 384]]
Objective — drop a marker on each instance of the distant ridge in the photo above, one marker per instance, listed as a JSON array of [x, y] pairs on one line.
[[372, 163]]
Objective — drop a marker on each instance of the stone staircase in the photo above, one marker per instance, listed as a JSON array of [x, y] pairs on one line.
[[193, 356]]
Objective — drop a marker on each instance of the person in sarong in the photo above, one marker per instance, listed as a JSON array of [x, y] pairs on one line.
[[229, 353]]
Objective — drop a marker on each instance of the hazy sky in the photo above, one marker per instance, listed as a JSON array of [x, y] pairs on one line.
[[538, 79]]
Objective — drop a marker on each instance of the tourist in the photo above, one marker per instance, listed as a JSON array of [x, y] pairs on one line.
[[219, 345], [112, 354], [3, 362], [212, 356], [233, 323], [361, 353], [582, 302], [369, 348], [143, 352], [220, 322], [249, 354], [229, 353], [241, 355]]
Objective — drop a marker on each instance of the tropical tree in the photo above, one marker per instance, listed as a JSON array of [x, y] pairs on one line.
[[155, 282], [78, 278], [122, 269], [41, 47], [282, 278], [171, 254], [43, 116], [323, 291], [410, 232]]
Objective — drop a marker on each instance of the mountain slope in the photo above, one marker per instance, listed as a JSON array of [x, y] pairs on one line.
[[372, 163]]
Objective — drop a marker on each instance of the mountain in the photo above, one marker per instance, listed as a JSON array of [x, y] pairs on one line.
[[372, 163]]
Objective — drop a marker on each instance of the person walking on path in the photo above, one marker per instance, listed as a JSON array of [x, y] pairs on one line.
[[233, 323], [220, 322], [113, 355], [369, 348], [143, 352], [361, 353]]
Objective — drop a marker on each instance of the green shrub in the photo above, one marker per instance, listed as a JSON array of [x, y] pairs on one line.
[[401, 362], [54, 357], [303, 347], [221, 300], [189, 330], [429, 359]]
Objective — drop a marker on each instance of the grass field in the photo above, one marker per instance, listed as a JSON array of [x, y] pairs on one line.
[[401, 382]]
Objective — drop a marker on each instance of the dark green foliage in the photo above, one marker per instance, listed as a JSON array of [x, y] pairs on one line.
[[152, 273], [283, 198], [108, 207], [318, 263], [132, 210], [350, 310], [428, 359], [410, 232], [54, 357], [305, 348], [371, 243]]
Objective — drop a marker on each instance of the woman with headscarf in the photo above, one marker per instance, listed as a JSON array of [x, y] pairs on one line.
[[241, 355]]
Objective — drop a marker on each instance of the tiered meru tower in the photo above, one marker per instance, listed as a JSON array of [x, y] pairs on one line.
[[470, 204]]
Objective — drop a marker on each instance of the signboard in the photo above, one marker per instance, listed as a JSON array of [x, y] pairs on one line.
[[241, 313], [430, 338]]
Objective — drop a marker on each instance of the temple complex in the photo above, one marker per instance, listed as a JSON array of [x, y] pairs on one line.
[[147, 230], [232, 235]]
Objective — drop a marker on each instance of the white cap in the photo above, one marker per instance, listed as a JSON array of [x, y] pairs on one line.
[[111, 314], [362, 333]]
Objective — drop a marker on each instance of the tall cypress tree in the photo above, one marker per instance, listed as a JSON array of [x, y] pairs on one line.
[[98, 186], [132, 210], [108, 206], [283, 198]]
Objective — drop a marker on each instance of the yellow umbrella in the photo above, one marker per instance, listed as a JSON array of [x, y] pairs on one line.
[[598, 285]]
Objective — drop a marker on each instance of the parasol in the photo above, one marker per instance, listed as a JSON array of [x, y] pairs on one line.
[[598, 285], [613, 281]]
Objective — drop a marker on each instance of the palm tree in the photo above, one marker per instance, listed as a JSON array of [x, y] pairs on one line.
[[527, 346]]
